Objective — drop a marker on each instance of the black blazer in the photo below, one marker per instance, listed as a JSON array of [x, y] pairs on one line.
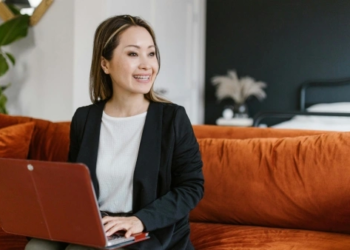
[[168, 179]]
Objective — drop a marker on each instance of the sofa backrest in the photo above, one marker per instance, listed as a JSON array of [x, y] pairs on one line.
[[50, 140], [299, 182], [211, 131]]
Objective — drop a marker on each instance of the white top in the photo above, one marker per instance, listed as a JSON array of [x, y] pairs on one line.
[[118, 148]]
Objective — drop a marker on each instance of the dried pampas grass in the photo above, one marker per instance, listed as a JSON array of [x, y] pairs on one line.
[[238, 89]]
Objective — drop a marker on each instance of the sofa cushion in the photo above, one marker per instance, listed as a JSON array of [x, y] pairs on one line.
[[207, 236], [210, 131], [15, 140], [8, 120], [300, 182], [50, 139]]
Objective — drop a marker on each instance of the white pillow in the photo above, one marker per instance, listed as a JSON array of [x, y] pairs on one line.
[[336, 107], [316, 123]]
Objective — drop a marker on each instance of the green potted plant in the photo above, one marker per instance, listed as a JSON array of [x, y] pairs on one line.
[[10, 31]]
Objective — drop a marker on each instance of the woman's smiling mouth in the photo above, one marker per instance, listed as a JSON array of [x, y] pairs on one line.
[[142, 77]]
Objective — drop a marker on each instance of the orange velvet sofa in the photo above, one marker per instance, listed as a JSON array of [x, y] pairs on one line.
[[264, 188]]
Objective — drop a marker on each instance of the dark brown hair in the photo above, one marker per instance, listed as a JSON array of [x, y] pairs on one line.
[[106, 40]]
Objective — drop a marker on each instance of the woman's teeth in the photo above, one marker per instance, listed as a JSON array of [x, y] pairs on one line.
[[142, 77]]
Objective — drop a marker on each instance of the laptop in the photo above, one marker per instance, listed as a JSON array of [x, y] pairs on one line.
[[54, 201]]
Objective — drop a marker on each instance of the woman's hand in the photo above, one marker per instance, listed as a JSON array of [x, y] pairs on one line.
[[131, 225]]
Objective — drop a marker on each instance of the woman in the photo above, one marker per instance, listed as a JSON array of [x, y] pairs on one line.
[[142, 154]]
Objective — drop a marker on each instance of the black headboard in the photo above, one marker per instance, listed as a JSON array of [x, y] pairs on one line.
[[313, 92]]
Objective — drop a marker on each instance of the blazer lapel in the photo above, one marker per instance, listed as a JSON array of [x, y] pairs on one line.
[[90, 141], [148, 160]]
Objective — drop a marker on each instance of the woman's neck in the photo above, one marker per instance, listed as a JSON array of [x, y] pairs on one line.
[[125, 107]]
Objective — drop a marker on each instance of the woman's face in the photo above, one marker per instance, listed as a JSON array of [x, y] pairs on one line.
[[134, 65]]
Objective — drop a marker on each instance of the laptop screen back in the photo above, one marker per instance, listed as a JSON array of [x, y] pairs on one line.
[[49, 200]]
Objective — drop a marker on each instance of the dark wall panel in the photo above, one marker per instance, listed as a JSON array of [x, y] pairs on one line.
[[281, 42]]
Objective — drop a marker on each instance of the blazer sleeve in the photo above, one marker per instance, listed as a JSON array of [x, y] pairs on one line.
[[74, 140], [186, 179], [76, 132]]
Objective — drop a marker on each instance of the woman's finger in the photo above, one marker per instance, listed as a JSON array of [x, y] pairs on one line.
[[116, 228], [129, 224], [111, 224], [129, 232], [107, 219]]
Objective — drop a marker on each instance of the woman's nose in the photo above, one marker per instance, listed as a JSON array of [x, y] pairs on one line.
[[145, 63], [145, 66]]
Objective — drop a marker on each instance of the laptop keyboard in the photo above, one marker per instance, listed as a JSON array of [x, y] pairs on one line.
[[118, 238]]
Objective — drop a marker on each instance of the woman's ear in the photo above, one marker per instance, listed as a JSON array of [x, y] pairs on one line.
[[104, 65]]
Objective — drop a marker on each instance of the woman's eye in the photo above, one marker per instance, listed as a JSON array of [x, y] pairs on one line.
[[152, 54], [132, 54]]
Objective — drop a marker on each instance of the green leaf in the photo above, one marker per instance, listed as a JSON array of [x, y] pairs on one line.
[[11, 57], [14, 9], [3, 65], [14, 29], [3, 88], [3, 100]]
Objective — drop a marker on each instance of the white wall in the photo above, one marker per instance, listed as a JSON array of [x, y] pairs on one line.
[[88, 15], [42, 79], [51, 78]]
